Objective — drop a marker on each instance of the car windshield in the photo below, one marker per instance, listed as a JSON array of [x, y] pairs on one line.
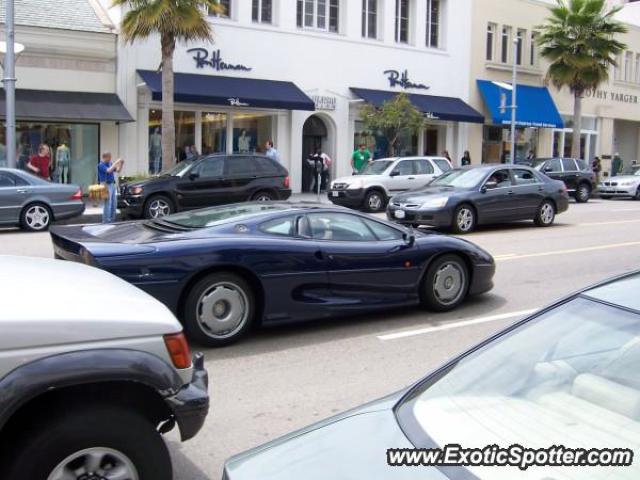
[[567, 377], [178, 170], [376, 168], [460, 178], [210, 217]]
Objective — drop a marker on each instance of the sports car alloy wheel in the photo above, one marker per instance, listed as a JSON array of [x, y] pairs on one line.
[[95, 464], [223, 310], [37, 217], [159, 207], [464, 219], [449, 283]]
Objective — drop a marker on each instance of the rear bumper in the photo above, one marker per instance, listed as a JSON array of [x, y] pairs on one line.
[[284, 194], [191, 404], [562, 204], [435, 218], [68, 210], [352, 198]]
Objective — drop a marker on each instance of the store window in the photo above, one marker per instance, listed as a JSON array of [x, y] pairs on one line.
[[214, 133], [378, 145], [225, 6], [370, 18], [75, 149], [185, 125], [491, 41], [402, 21], [496, 144], [262, 11], [251, 132], [318, 14], [505, 41], [434, 23]]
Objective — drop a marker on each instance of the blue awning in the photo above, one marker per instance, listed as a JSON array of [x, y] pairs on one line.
[[231, 91], [438, 108], [535, 105]]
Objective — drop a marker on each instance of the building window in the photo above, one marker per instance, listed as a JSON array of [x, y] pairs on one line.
[[318, 14], [214, 132], [618, 68], [433, 23], [251, 131], [506, 37], [533, 54], [628, 63], [402, 21], [638, 68], [226, 9], [261, 11], [370, 18], [520, 46], [491, 40]]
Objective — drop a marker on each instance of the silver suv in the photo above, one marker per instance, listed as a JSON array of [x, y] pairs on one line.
[[92, 372], [380, 180]]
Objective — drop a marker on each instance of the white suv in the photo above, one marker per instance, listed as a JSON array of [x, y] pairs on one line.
[[374, 186]]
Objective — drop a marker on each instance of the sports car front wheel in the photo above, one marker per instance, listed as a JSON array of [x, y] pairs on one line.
[[445, 284], [219, 309]]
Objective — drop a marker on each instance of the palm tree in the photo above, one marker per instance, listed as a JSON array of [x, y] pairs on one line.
[[174, 21], [578, 40]]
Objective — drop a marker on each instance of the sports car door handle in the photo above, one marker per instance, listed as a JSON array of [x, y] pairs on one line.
[[22, 190]]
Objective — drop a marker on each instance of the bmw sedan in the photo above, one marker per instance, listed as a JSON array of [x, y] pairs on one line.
[[466, 197], [224, 269], [33, 203], [621, 186], [564, 378]]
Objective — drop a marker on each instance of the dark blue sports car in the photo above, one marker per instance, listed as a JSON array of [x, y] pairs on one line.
[[222, 269]]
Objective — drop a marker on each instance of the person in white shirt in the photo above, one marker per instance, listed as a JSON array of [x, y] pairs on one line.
[[271, 152]]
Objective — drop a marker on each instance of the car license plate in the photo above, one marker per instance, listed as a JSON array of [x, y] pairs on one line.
[[400, 214], [335, 194]]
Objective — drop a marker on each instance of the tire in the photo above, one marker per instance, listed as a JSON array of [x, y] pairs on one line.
[[36, 217], [464, 219], [158, 206], [445, 284], [375, 201], [219, 309], [637, 195], [583, 192], [546, 214], [263, 196], [108, 435]]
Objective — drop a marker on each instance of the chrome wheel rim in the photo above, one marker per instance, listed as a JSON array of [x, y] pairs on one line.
[[37, 217], [375, 201], [449, 283], [546, 213], [223, 309], [583, 193], [263, 198], [464, 220], [159, 208], [95, 464]]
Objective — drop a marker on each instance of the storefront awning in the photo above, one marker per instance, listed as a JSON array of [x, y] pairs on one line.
[[535, 105], [46, 105], [438, 108], [230, 91]]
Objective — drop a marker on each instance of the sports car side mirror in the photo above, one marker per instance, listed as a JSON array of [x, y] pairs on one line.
[[409, 239]]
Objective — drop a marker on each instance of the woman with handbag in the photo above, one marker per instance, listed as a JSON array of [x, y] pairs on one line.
[[106, 168]]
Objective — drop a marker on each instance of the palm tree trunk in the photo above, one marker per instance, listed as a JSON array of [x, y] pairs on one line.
[[577, 124], [168, 121]]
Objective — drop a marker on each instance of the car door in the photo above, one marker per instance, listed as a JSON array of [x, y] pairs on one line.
[[239, 173], [495, 202], [13, 192], [402, 177], [369, 262], [424, 172], [203, 185], [553, 168], [528, 191], [570, 173]]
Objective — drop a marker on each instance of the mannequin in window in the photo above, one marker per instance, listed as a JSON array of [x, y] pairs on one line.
[[244, 142], [63, 161], [155, 151]]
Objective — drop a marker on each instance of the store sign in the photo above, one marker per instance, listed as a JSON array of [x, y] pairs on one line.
[[213, 59], [612, 96], [324, 103], [401, 79], [235, 102]]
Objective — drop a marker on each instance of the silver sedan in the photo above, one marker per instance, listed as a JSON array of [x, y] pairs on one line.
[[621, 186], [33, 203]]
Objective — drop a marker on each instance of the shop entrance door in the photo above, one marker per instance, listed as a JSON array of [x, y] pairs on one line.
[[314, 134]]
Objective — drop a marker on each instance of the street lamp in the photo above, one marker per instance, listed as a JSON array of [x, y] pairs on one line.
[[513, 106], [10, 50]]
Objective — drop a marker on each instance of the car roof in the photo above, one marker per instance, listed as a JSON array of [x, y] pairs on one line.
[[493, 166], [621, 291], [414, 157]]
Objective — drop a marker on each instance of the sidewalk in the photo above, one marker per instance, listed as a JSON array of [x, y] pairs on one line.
[[93, 210]]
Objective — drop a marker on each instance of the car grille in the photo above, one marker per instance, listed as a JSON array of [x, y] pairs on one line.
[[610, 184], [340, 186], [123, 189], [405, 205]]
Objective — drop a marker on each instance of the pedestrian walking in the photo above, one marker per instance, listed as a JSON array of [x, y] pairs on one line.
[[446, 155], [106, 176], [326, 170], [616, 165], [596, 166], [360, 159], [466, 159], [41, 163], [271, 152], [530, 157]]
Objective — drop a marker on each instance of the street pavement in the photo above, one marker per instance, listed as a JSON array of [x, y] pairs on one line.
[[281, 379]]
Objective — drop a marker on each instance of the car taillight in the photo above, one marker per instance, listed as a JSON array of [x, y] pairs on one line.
[[286, 182], [77, 195], [178, 349]]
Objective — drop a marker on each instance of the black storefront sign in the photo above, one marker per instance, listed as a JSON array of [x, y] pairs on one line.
[[401, 79], [213, 59]]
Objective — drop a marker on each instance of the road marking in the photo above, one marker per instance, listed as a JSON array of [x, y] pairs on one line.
[[449, 326], [513, 256], [595, 224]]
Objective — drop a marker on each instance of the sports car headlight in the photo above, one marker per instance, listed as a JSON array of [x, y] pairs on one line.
[[435, 202]]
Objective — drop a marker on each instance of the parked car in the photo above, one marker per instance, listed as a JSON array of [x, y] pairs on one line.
[[204, 182], [621, 186], [576, 175], [223, 269], [92, 372], [381, 179], [567, 375], [33, 203], [466, 197]]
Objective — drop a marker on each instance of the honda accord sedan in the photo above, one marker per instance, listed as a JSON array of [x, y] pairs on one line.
[[564, 378], [466, 197]]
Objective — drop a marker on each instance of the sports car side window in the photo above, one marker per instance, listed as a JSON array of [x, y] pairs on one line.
[[382, 231], [339, 227], [284, 227]]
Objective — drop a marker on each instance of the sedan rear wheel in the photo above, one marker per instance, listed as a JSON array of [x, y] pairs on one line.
[[35, 217], [219, 309], [464, 219], [445, 284], [546, 214]]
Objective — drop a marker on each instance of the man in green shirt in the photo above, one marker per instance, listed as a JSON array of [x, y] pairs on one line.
[[360, 159]]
